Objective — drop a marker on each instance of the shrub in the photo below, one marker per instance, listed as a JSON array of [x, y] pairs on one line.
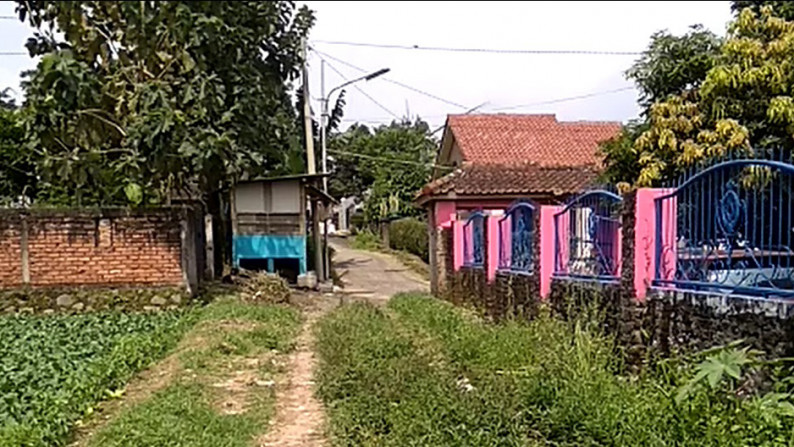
[[366, 240], [410, 234]]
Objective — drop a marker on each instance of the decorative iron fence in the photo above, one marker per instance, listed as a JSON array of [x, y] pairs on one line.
[[474, 239], [516, 233], [586, 237], [728, 229]]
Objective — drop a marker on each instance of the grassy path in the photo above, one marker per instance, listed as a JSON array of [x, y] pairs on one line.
[[216, 389]]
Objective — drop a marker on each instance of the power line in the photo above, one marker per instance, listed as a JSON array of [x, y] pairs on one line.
[[414, 89], [9, 18], [360, 90], [389, 160], [481, 50], [570, 98], [13, 53]]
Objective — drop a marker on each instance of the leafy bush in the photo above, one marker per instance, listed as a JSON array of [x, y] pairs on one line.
[[410, 234], [366, 240], [426, 373], [54, 369]]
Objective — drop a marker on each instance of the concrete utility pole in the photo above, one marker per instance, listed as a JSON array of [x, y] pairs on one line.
[[325, 121], [307, 114], [319, 267]]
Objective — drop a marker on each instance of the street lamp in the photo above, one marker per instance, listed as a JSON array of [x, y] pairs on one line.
[[324, 154], [324, 117]]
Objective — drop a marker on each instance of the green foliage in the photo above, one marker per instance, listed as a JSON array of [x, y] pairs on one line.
[[16, 171], [621, 166], [425, 373], [366, 240], [784, 9], [673, 65], [410, 234], [54, 369], [391, 164], [737, 100], [143, 101]]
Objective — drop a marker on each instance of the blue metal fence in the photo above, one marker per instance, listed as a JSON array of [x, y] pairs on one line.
[[727, 229], [586, 237], [516, 234], [473, 240]]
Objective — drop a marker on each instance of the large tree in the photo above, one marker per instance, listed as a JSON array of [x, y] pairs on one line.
[[672, 65], [142, 100], [783, 9], [744, 103], [16, 170], [385, 166]]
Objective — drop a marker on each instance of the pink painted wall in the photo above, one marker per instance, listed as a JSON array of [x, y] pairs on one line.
[[645, 240], [492, 259], [547, 235], [444, 214], [457, 242]]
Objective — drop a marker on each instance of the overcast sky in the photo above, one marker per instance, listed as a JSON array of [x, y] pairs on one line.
[[501, 81]]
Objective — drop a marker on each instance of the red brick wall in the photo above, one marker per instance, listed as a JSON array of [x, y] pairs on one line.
[[10, 253], [85, 249]]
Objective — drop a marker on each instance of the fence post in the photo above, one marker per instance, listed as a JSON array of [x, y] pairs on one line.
[[457, 239], [645, 240], [492, 249], [547, 235]]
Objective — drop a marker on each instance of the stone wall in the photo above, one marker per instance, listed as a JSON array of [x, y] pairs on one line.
[[680, 321], [71, 300], [74, 248]]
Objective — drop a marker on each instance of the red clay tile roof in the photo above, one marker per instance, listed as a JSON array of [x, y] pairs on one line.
[[493, 179], [537, 139]]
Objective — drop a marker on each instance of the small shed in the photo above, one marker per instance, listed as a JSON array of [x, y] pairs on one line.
[[269, 221]]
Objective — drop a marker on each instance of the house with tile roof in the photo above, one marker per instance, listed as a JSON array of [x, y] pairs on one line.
[[490, 161]]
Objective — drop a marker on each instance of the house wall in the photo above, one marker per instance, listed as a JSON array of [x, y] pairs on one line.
[[158, 247]]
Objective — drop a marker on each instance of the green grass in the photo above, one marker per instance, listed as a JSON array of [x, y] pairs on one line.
[[180, 415], [189, 411], [424, 373], [54, 369]]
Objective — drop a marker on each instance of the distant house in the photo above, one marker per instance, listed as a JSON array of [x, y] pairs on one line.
[[490, 161]]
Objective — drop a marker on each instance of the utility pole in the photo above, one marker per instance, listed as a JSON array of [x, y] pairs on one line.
[[323, 118], [324, 155], [319, 258], [307, 113]]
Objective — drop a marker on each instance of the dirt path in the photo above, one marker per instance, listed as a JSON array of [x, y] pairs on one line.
[[374, 276], [300, 420]]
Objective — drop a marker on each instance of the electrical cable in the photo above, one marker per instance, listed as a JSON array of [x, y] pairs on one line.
[[480, 50], [414, 89]]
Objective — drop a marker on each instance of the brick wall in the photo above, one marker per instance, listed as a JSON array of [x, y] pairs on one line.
[[10, 251], [97, 247]]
